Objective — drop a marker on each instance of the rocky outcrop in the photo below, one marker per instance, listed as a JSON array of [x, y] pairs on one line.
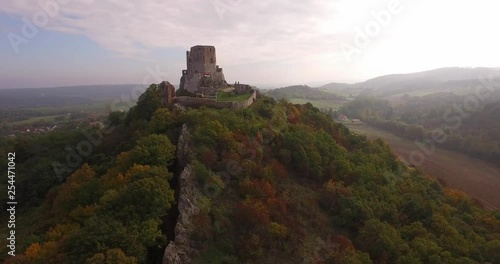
[[167, 93], [182, 249], [183, 151]]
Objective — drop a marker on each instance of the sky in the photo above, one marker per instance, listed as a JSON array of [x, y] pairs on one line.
[[267, 43]]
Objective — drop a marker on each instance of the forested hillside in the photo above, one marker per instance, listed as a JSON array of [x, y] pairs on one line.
[[471, 128], [278, 183], [302, 92]]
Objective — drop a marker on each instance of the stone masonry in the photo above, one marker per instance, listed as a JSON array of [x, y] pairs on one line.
[[202, 75]]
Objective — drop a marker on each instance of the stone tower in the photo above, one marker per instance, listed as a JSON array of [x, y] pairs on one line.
[[202, 75]]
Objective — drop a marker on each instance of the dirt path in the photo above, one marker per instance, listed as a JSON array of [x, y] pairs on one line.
[[477, 178]]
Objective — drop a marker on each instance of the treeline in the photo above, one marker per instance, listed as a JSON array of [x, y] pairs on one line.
[[279, 183], [109, 209], [471, 130], [302, 92]]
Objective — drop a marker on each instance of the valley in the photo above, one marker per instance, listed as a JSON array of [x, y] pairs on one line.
[[477, 178]]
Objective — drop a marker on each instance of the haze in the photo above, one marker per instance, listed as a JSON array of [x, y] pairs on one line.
[[266, 43]]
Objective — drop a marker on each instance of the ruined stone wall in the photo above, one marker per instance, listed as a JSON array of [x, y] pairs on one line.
[[245, 103], [242, 88], [199, 102], [208, 102]]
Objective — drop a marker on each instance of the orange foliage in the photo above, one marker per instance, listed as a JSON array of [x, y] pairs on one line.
[[252, 213], [294, 114], [279, 169], [259, 189], [202, 226], [208, 157], [344, 244], [120, 178], [239, 136], [231, 155], [266, 193], [59, 231], [490, 222], [82, 213], [46, 253], [33, 251], [456, 196]]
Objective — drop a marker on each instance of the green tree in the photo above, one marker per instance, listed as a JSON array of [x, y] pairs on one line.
[[147, 104], [382, 241], [161, 120], [154, 150]]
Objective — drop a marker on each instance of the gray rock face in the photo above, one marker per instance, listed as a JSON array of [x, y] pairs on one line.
[[183, 151], [182, 250]]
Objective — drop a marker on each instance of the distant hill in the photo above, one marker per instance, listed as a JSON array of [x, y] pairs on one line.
[[61, 96], [302, 92], [334, 85], [453, 79], [437, 75]]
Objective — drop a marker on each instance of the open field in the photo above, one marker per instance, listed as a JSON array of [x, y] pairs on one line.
[[99, 107], [32, 115], [344, 92], [325, 104], [479, 179], [34, 120]]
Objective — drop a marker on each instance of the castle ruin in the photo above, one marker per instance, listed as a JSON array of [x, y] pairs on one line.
[[203, 82]]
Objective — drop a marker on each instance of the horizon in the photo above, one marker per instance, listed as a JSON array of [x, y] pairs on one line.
[[79, 42], [312, 84]]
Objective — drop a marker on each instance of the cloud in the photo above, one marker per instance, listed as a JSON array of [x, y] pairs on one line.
[[293, 39], [246, 31]]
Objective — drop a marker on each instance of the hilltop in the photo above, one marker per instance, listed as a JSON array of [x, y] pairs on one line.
[[271, 183]]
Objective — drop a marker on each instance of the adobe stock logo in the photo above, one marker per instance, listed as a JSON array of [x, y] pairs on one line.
[[223, 6], [364, 36], [453, 119], [77, 154], [40, 19]]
